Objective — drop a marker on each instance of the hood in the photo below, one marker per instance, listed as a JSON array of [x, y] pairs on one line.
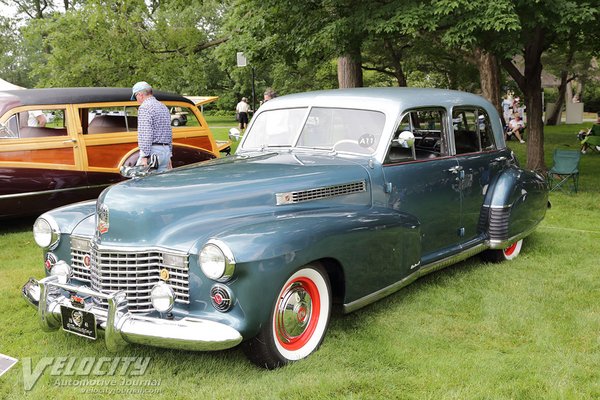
[[163, 209]]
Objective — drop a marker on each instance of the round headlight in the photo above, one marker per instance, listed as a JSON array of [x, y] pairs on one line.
[[216, 261], [163, 297], [46, 233], [62, 270]]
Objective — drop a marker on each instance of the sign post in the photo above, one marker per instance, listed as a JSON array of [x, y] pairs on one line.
[[242, 62]]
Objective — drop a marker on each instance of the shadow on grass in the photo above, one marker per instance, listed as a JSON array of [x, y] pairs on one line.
[[17, 225]]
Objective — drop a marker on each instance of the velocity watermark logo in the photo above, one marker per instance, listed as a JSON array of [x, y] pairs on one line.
[[90, 372]]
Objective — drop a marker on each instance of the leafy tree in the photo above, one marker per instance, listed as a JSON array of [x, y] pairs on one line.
[[14, 63], [115, 43], [507, 29]]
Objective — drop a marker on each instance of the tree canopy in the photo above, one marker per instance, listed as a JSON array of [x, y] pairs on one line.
[[190, 46]]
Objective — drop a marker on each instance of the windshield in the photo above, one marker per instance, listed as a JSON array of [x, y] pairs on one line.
[[338, 129]]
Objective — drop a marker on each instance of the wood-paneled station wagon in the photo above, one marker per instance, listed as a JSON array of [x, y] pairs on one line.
[[333, 198], [58, 146]]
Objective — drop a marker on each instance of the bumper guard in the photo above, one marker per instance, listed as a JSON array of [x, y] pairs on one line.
[[121, 327]]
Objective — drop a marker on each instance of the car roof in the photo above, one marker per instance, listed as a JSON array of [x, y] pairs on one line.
[[13, 98], [403, 97]]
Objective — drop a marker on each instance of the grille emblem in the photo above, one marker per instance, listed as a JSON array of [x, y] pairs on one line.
[[102, 219], [164, 274]]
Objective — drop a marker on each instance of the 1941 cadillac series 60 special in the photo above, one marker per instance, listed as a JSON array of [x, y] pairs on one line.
[[332, 198]]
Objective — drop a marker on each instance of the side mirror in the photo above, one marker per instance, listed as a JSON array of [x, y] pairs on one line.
[[234, 134], [406, 139]]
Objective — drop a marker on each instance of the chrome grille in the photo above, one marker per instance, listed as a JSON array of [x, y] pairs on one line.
[[134, 272], [320, 193]]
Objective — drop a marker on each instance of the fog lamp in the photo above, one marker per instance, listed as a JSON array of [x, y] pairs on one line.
[[163, 297], [62, 270]]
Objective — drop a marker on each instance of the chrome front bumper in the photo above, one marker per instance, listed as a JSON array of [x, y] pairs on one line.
[[121, 327]]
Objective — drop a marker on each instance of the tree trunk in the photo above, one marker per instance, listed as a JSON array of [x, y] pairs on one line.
[[489, 75], [554, 118], [530, 83], [349, 71], [395, 57]]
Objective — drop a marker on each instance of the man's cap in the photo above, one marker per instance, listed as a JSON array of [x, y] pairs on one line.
[[138, 87]]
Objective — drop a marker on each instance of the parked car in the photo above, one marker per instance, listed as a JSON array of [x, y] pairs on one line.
[[89, 133], [333, 198], [178, 116]]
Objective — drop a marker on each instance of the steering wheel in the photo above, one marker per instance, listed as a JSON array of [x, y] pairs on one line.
[[351, 143]]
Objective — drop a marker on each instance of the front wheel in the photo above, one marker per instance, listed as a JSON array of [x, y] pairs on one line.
[[507, 254], [298, 321]]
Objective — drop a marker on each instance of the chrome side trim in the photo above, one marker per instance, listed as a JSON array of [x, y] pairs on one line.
[[502, 244], [44, 192], [424, 270], [122, 327]]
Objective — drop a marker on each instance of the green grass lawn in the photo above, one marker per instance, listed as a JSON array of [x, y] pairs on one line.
[[526, 329], [220, 128]]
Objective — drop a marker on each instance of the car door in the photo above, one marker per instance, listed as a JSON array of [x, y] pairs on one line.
[[479, 163], [40, 163], [424, 182]]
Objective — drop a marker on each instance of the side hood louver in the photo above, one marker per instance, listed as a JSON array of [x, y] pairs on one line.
[[320, 193]]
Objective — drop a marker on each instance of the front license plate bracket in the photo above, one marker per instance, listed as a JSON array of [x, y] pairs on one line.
[[78, 322]]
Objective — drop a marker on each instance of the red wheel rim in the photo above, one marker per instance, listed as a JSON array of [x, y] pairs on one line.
[[510, 249], [297, 313]]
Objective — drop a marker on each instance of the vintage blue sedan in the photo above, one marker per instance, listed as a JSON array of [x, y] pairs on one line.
[[333, 198]]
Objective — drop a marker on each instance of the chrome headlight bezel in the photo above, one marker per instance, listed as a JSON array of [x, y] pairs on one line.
[[216, 261], [46, 232]]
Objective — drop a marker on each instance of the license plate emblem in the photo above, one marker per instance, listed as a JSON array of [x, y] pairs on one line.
[[78, 322]]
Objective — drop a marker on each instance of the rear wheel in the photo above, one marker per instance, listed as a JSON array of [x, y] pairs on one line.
[[509, 253], [298, 321]]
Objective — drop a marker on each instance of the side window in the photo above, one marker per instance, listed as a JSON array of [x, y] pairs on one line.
[[427, 127], [396, 151], [485, 131], [36, 123], [472, 130], [182, 116], [109, 119]]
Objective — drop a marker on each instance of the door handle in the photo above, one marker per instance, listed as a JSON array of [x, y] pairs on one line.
[[456, 169], [500, 159]]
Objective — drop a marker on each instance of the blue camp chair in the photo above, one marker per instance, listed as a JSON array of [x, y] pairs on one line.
[[565, 170]]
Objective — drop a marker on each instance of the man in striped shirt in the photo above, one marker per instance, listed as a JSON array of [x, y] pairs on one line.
[[155, 136]]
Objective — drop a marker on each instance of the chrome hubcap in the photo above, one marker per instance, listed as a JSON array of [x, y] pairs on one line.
[[294, 312]]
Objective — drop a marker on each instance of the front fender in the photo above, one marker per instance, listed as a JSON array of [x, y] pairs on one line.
[[69, 217], [515, 205], [374, 247]]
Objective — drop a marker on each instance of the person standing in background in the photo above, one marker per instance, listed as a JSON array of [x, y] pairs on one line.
[[241, 109], [155, 136], [36, 118]]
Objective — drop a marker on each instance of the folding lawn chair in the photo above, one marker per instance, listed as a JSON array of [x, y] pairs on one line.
[[566, 167]]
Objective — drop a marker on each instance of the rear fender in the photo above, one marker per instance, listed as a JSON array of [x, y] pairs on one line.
[[514, 207]]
